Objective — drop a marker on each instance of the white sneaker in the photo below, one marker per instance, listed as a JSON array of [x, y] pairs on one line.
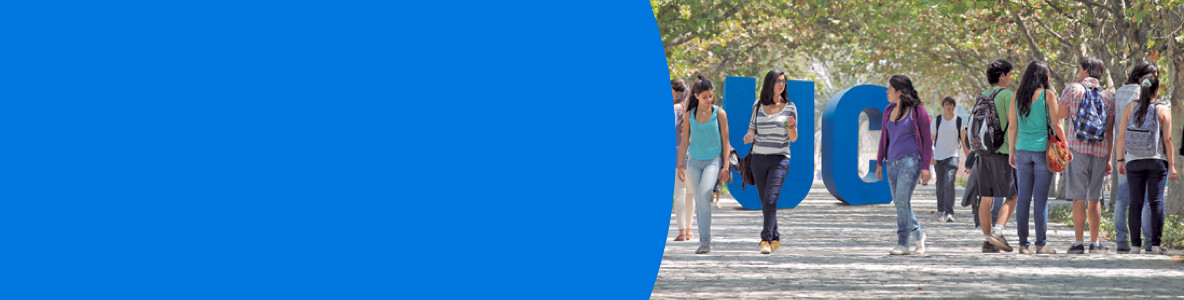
[[900, 250], [920, 245], [949, 218]]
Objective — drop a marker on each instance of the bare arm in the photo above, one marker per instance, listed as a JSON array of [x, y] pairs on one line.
[[723, 133], [1012, 127], [1165, 118], [725, 165], [792, 131], [1054, 109], [1120, 140], [962, 139]]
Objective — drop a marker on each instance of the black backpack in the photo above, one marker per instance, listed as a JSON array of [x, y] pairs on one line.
[[985, 135]]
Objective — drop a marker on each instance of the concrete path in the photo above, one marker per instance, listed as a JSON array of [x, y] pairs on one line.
[[833, 250]]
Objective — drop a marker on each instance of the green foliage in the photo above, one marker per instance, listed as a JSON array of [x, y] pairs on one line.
[[942, 45]]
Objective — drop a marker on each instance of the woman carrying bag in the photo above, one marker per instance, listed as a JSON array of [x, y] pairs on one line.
[[1028, 144], [772, 128]]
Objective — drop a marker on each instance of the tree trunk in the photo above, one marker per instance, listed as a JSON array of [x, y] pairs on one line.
[[1174, 202]]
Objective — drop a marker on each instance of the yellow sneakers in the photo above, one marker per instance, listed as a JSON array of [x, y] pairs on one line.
[[776, 244], [765, 248]]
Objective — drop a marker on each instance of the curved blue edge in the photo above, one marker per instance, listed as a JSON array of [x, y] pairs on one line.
[[739, 96], [360, 150], [840, 143]]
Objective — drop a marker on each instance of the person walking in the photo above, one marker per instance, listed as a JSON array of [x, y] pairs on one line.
[[700, 153], [772, 128], [684, 197], [904, 144], [947, 139]]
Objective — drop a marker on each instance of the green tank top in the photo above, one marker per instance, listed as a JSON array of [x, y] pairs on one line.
[[1033, 130], [705, 137]]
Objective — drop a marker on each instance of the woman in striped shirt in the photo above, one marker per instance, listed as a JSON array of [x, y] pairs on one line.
[[772, 128]]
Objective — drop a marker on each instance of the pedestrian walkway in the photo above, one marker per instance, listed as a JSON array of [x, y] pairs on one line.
[[831, 250]]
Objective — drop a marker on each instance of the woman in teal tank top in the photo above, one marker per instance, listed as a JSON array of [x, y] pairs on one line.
[[1028, 136], [706, 137]]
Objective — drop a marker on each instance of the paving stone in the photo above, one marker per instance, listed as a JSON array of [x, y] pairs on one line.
[[832, 250]]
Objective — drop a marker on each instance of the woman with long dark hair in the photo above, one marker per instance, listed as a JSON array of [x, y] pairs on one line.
[[1146, 160], [684, 197], [1029, 113], [704, 140], [905, 143], [1129, 93], [771, 129]]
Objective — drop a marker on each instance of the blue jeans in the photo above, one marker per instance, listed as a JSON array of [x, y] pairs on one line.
[[1122, 202], [769, 172], [1147, 178], [1034, 177], [902, 178], [946, 170], [703, 174]]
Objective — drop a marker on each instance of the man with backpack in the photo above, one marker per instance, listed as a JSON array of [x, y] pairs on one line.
[[996, 177], [946, 142], [1091, 113]]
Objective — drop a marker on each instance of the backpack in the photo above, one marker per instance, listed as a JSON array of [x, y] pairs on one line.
[[985, 135], [937, 132], [1142, 140], [1090, 121]]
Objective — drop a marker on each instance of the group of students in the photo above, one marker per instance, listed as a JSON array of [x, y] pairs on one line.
[[1014, 142], [702, 147]]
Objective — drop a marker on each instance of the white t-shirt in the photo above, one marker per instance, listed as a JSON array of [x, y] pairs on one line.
[[947, 143]]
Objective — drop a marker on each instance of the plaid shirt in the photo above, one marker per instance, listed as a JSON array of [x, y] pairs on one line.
[[1070, 98]]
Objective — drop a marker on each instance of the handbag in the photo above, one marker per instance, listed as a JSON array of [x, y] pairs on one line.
[[745, 163], [1058, 153]]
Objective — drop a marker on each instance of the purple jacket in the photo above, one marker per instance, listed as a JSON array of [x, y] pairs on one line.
[[921, 130]]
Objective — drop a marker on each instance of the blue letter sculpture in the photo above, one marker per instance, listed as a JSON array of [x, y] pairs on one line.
[[840, 143]]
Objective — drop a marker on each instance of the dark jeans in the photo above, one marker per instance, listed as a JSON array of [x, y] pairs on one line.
[[946, 169], [1146, 179], [769, 172]]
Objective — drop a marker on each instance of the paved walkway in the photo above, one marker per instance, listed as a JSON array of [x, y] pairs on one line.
[[838, 251]]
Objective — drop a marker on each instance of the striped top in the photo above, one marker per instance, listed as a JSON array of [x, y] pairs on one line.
[[772, 138]]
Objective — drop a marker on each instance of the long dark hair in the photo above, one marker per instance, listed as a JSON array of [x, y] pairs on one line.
[[1035, 77], [1148, 85], [908, 95], [1141, 69], [680, 86], [702, 84], [767, 97]]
